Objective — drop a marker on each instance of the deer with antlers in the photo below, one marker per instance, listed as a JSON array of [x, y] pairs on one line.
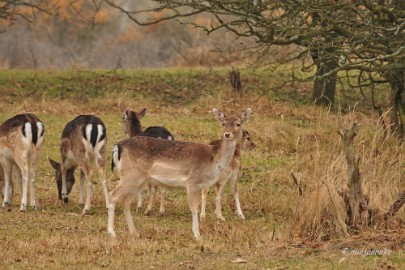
[[194, 166]]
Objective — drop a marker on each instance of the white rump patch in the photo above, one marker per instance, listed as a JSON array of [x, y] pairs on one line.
[[27, 136], [40, 130], [99, 144], [87, 143], [99, 132], [91, 152], [89, 127], [115, 155]]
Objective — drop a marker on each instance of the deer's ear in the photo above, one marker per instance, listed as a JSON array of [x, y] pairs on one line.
[[127, 113], [54, 164], [142, 112], [219, 115], [245, 115]]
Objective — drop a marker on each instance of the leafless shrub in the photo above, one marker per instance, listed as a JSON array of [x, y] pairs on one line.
[[321, 213]]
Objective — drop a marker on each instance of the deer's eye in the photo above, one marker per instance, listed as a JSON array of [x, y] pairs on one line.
[[238, 125], [223, 124]]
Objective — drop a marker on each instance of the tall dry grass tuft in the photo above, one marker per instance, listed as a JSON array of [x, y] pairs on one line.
[[320, 212]]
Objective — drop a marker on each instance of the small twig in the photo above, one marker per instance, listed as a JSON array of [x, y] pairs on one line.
[[36, 78], [297, 184], [395, 207], [393, 163], [380, 113], [340, 122]]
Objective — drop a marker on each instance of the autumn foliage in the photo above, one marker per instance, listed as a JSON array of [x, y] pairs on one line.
[[90, 34]]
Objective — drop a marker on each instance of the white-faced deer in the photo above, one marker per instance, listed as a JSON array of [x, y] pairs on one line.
[[133, 127], [194, 166], [21, 139], [231, 174], [83, 142]]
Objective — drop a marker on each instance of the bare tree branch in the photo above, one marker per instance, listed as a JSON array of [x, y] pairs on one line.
[[10, 10]]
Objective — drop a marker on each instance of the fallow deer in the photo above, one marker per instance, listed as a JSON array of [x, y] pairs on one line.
[[83, 142], [194, 166], [231, 174], [133, 127], [21, 139]]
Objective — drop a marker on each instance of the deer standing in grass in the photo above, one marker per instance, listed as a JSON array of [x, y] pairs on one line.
[[133, 127], [21, 139], [194, 166], [83, 142], [231, 174]]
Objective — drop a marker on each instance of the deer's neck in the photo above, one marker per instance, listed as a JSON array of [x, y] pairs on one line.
[[238, 151], [224, 154], [134, 128]]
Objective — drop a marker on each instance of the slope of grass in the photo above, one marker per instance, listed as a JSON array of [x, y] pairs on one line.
[[282, 230]]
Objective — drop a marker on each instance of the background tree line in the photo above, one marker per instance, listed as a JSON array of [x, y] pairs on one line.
[[91, 34], [359, 40]]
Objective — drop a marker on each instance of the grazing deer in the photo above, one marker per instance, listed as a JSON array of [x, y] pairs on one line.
[[21, 139], [194, 166], [83, 142], [133, 127], [231, 173]]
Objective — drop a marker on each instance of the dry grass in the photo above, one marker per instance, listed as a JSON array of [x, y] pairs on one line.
[[283, 230], [322, 213]]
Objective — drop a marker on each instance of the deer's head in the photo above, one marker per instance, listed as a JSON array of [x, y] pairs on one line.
[[70, 177]]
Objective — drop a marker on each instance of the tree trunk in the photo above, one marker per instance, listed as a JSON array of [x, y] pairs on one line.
[[356, 201], [397, 82], [324, 88]]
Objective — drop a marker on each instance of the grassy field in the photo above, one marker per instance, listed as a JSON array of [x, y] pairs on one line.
[[282, 230]]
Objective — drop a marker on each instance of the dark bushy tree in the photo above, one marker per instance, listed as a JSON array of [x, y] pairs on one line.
[[366, 36]]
